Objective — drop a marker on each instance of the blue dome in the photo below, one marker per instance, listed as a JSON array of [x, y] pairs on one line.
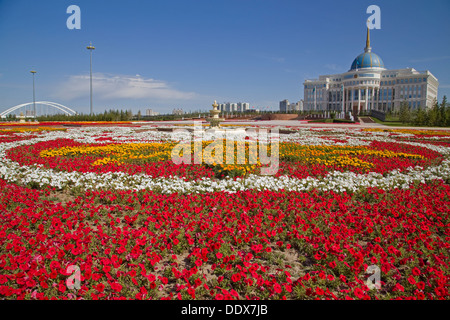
[[367, 60]]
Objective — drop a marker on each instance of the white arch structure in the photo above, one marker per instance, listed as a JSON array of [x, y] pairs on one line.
[[55, 105]]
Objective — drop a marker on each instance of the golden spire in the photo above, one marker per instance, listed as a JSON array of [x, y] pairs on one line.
[[368, 48]]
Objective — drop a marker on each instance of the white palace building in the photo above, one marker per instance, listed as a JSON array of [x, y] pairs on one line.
[[368, 86]]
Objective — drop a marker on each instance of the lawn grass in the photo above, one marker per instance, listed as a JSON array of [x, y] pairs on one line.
[[321, 121], [330, 121], [393, 123]]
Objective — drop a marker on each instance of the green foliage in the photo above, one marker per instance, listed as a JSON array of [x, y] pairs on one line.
[[405, 112], [437, 116], [443, 112], [420, 116], [433, 115], [111, 115], [342, 121], [447, 116]]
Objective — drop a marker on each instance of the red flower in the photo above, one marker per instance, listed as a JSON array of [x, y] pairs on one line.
[[420, 295], [277, 288], [398, 287], [31, 283], [440, 292], [100, 287], [319, 291], [420, 285], [198, 262], [117, 287], [358, 293], [61, 288], [416, 271], [146, 224], [235, 277], [96, 276]]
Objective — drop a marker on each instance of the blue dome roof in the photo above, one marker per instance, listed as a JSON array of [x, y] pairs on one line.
[[367, 60]]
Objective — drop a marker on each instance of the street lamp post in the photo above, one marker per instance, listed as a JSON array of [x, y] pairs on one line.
[[34, 96], [90, 48]]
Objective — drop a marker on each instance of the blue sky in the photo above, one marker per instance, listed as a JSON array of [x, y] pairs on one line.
[[186, 54]]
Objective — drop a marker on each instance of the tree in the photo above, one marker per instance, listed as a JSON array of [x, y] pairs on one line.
[[433, 115], [442, 112], [405, 112], [447, 114], [129, 115], [420, 118]]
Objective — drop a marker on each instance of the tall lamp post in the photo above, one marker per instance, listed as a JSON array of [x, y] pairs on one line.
[[34, 96], [90, 48]]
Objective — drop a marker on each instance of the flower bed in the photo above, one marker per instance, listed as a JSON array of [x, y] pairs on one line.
[[149, 229]]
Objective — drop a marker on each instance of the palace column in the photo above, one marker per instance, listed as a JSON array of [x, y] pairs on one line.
[[343, 100], [367, 99], [350, 100], [359, 100], [376, 99], [371, 99], [347, 100], [353, 100]]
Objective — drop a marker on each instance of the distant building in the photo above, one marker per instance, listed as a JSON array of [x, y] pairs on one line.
[[234, 107], [29, 113], [368, 85], [178, 111], [150, 112], [296, 107], [243, 106], [284, 105]]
